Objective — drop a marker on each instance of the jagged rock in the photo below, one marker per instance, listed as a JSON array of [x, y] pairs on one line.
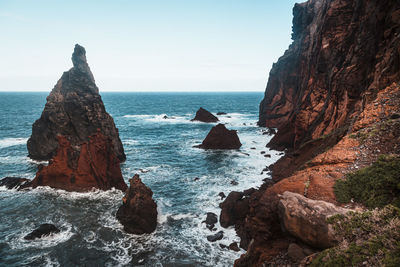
[[13, 182], [204, 116], [221, 138], [216, 237], [306, 219], [222, 195], [234, 208], [74, 109], [138, 213], [80, 168], [43, 230], [234, 246]]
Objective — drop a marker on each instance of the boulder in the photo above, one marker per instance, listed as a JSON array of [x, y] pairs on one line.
[[221, 138], [80, 168], [74, 109], [306, 219], [234, 246], [204, 116], [138, 213], [43, 230], [216, 237], [233, 209], [211, 218], [13, 182]]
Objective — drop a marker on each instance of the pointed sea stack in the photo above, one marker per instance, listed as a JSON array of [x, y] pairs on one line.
[[221, 138], [74, 109], [80, 168], [204, 116], [138, 213]]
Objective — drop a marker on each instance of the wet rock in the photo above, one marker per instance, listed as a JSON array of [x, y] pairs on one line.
[[306, 219], [138, 213], [221, 138], [165, 117], [233, 209], [262, 152], [216, 237], [221, 113], [211, 218], [234, 182], [196, 179], [204, 116], [252, 148], [80, 168], [74, 109], [223, 246], [234, 246], [13, 182], [267, 155], [222, 195], [43, 230]]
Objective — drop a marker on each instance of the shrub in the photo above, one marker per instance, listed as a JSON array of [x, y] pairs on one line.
[[373, 186]]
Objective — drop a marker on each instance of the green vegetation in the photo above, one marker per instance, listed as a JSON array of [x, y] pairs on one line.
[[371, 238], [373, 186]]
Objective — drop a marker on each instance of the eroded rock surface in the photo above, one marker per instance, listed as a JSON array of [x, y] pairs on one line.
[[80, 168], [75, 109], [204, 116], [138, 213], [221, 138]]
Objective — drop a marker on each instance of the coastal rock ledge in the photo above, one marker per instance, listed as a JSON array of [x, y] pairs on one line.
[[75, 109], [138, 213]]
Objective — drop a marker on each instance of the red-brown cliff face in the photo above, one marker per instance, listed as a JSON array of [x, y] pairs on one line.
[[343, 53], [93, 164]]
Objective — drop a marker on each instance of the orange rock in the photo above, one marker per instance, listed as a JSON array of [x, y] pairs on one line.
[[91, 165]]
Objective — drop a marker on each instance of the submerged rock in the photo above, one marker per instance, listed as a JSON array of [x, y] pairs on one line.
[[13, 182], [204, 116], [138, 213], [216, 237], [43, 230], [80, 168], [306, 219], [221, 138], [221, 113], [74, 109]]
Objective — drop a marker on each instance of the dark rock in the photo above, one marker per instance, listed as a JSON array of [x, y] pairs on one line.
[[138, 213], [234, 208], [252, 148], [222, 195], [262, 152], [221, 138], [165, 117], [234, 246], [204, 116], [13, 182], [210, 226], [295, 252], [234, 182], [216, 237], [74, 109], [196, 179], [43, 230], [221, 113], [211, 220], [394, 116], [249, 191], [223, 246], [91, 165], [267, 155]]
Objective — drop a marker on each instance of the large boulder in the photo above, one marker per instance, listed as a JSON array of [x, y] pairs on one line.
[[138, 213], [221, 138], [306, 219], [75, 109], [80, 168], [13, 182], [204, 116], [233, 209]]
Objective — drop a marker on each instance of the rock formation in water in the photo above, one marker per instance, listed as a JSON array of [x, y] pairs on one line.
[[138, 213], [92, 164], [204, 116], [13, 182], [335, 98], [74, 109], [220, 137], [42, 231]]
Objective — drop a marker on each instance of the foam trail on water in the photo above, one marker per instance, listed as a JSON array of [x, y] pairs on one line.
[[9, 142]]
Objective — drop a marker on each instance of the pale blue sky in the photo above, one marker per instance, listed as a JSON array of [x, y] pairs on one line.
[[148, 45]]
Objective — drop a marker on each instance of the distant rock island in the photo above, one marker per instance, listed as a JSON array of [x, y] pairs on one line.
[[74, 109], [204, 116]]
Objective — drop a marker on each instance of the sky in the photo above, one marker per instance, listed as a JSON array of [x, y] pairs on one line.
[[146, 45]]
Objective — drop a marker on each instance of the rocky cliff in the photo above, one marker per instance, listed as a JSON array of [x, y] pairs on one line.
[[74, 109], [335, 98]]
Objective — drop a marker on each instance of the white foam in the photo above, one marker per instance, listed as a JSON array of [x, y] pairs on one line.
[[129, 142], [8, 142]]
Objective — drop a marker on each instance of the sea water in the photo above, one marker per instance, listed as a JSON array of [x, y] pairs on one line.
[[185, 181]]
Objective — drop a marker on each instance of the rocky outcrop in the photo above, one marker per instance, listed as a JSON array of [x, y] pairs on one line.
[[13, 182], [221, 138], [74, 109], [306, 219], [138, 213], [204, 116], [343, 53], [80, 168], [42, 231]]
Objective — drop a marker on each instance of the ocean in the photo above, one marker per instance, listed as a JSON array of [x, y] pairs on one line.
[[161, 152]]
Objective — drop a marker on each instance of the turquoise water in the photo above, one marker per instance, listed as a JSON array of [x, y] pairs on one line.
[[161, 151]]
